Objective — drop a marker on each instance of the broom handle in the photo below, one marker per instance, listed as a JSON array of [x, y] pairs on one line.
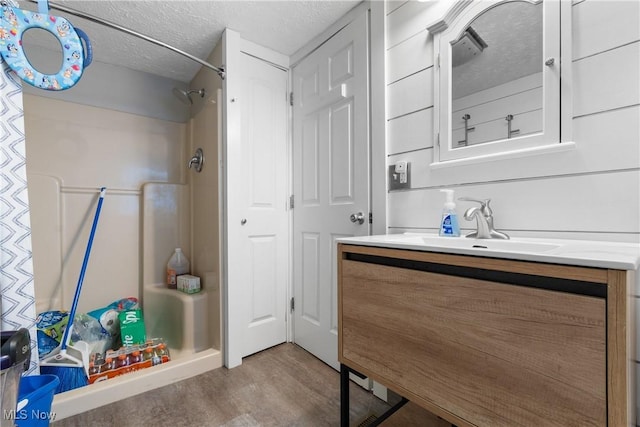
[[67, 331]]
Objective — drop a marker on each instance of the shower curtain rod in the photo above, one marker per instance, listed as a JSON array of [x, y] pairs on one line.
[[115, 26]]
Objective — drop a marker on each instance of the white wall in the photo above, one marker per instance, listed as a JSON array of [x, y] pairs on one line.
[[117, 88], [592, 192]]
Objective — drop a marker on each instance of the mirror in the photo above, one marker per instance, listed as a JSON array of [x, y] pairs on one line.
[[497, 79], [496, 75]]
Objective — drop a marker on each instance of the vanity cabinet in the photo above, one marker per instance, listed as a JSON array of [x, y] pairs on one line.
[[490, 342]]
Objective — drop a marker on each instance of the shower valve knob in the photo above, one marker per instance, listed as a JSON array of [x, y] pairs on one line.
[[197, 160]]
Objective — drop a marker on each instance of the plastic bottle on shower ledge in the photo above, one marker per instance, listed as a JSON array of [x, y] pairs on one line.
[[178, 264], [108, 365], [122, 360], [135, 357], [148, 354], [163, 352]]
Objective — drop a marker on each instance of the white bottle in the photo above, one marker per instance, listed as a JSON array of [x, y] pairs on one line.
[[449, 226], [178, 264]]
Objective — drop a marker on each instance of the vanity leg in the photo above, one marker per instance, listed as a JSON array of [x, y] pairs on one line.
[[344, 399], [344, 396], [389, 412]]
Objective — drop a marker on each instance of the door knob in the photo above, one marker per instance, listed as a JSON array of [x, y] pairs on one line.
[[357, 217]]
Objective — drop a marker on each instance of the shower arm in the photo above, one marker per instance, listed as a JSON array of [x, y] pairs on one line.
[[115, 26]]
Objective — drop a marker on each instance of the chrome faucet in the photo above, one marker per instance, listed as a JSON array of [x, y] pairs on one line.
[[484, 219]]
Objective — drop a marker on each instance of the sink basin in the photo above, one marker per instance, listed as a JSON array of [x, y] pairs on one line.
[[513, 245]]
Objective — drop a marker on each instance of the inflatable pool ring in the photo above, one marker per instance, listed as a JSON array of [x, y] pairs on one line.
[[14, 22]]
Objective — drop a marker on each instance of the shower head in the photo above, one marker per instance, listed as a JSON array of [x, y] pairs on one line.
[[185, 95]]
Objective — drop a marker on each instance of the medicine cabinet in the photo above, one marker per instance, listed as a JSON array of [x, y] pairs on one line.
[[497, 86]]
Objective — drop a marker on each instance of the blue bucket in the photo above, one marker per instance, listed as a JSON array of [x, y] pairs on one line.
[[34, 400]]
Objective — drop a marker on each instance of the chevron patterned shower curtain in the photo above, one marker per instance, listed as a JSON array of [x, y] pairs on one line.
[[17, 302]]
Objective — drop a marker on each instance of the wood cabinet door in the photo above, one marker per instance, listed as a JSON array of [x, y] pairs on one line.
[[493, 354]]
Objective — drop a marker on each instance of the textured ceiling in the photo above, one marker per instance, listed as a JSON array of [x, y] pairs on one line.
[[192, 26]]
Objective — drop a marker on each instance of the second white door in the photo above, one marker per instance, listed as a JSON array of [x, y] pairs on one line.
[[330, 178], [258, 217]]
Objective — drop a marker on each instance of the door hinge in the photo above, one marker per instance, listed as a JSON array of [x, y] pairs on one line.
[[291, 98], [438, 61], [292, 305], [438, 139], [370, 217], [291, 202]]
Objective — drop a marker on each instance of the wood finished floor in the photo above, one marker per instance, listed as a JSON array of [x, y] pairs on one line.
[[281, 386]]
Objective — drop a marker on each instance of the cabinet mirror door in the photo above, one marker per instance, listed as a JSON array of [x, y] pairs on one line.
[[499, 78]]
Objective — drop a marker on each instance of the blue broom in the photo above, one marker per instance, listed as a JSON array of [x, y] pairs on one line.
[[70, 363]]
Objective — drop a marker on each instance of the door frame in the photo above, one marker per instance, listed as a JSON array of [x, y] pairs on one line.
[[377, 100], [233, 46], [377, 119]]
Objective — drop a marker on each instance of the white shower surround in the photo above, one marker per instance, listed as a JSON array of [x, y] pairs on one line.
[[178, 318]]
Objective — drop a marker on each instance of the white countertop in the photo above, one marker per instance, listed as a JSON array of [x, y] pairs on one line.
[[614, 255]]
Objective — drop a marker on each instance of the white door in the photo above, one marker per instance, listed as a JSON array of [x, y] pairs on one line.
[[257, 211], [330, 178]]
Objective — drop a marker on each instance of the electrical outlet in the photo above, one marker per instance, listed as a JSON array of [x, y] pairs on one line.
[[399, 176]]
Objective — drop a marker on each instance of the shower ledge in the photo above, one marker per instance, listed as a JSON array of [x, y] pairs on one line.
[[83, 399]]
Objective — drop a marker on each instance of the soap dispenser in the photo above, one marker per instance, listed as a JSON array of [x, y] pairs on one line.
[[449, 226]]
